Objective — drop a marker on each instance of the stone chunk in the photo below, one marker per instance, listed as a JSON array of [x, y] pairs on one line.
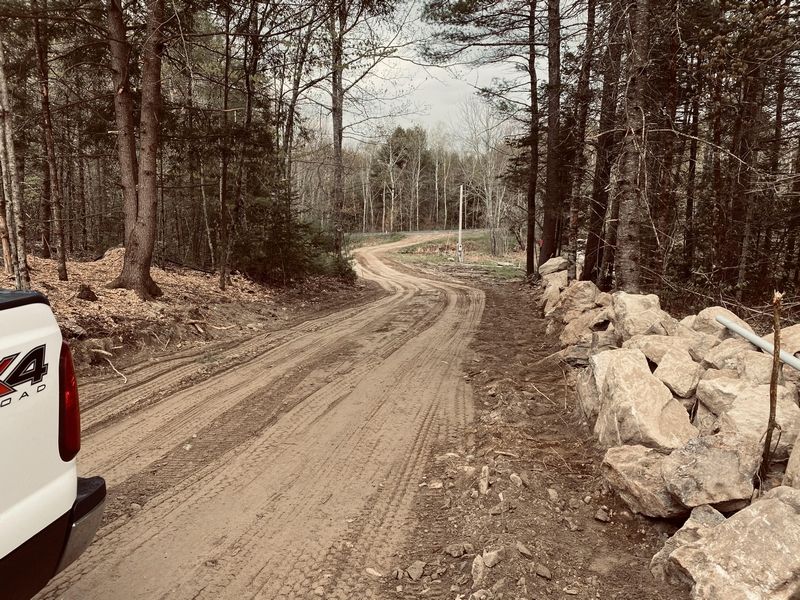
[[719, 373], [750, 412], [706, 321], [723, 356], [637, 314], [416, 570], [751, 556], [679, 372], [553, 284], [720, 393], [790, 339], [582, 325], [792, 475], [634, 472], [700, 522], [717, 470], [655, 347], [589, 383], [576, 299], [636, 408], [478, 570], [557, 263], [755, 367]]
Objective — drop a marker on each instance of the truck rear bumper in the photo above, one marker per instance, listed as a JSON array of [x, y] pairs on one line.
[[87, 513], [27, 569]]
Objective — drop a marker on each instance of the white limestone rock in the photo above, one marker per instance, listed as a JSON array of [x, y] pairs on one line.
[[636, 408], [679, 372], [634, 472], [751, 556]]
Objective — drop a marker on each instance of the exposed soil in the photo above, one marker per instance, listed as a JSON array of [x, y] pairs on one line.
[[525, 425], [319, 456], [280, 466]]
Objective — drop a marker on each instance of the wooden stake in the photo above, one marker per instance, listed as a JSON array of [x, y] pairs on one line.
[[773, 384]]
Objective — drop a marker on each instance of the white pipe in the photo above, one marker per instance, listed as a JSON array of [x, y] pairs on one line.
[[751, 337]]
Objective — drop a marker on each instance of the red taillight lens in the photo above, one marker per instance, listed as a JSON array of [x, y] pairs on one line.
[[69, 416]]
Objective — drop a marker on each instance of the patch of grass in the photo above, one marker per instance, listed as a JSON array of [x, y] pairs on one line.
[[359, 240], [440, 254]]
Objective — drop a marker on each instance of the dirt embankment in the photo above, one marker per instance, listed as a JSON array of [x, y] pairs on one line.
[[559, 532], [119, 326]]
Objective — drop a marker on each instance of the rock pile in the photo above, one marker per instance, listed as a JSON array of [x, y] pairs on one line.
[[682, 408]]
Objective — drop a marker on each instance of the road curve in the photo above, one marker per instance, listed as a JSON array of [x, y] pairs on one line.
[[281, 466]]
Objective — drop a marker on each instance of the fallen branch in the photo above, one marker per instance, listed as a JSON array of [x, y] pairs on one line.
[[223, 328], [124, 379], [99, 351]]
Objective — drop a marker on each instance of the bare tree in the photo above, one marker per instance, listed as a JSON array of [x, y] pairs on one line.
[[138, 173], [8, 162]]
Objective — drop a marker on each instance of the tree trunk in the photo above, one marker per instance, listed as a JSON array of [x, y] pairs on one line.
[[583, 98], [552, 200], [533, 168], [139, 181], [8, 158], [337, 29], [689, 234], [5, 242], [630, 181], [606, 143], [47, 128], [224, 226]]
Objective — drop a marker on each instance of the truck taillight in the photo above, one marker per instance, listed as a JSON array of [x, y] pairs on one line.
[[69, 417]]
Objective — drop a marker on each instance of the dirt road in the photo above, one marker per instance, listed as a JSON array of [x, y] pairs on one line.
[[283, 465]]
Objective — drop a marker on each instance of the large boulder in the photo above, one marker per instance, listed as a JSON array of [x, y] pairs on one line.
[[719, 393], [634, 472], [717, 469], [553, 284], [679, 372], [578, 298], [636, 408], [755, 367], [655, 347], [751, 556], [706, 321], [557, 263], [558, 279], [790, 339], [723, 355], [750, 412], [719, 374], [637, 314], [707, 422], [590, 381], [792, 475], [702, 520], [584, 325]]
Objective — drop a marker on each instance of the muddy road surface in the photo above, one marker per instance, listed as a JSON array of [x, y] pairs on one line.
[[282, 465]]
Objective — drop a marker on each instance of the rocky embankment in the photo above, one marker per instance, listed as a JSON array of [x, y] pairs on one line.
[[682, 408]]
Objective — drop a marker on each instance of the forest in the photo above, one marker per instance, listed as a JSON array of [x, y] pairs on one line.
[[657, 146]]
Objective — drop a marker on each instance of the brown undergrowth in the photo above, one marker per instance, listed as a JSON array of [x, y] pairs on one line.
[[118, 326]]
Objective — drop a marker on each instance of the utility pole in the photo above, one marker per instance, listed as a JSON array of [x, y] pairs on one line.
[[460, 248]]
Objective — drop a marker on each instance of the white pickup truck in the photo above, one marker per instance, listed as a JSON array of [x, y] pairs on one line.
[[48, 515]]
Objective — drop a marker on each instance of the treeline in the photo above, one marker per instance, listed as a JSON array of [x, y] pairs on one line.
[[661, 151], [411, 179], [172, 127], [663, 146]]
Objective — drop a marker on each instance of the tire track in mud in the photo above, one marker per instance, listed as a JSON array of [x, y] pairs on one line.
[[307, 456]]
